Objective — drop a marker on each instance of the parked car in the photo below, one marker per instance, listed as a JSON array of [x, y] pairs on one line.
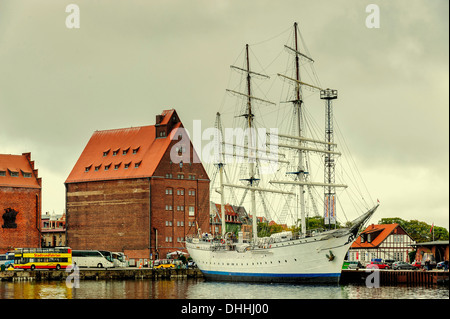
[[416, 264], [354, 265], [402, 265], [377, 265], [164, 263], [442, 265]]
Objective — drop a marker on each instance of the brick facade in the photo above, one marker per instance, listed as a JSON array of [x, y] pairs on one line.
[[20, 190], [145, 210]]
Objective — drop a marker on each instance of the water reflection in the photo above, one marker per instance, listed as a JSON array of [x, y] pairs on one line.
[[199, 289]]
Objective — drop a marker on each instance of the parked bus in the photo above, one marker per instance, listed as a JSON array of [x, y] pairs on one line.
[[7, 260], [119, 259], [42, 258], [92, 258]]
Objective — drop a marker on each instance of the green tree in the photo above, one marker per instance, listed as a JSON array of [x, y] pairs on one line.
[[418, 230]]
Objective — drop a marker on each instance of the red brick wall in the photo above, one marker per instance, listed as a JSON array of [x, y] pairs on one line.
[[167, 176], [108, 215], [27, 201]]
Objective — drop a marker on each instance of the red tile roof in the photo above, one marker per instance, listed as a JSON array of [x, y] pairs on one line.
[[22, 167], [122, 153], [381, 231]]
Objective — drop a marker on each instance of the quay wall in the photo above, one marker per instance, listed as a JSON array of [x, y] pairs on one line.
[[102, 274], [395, 277]]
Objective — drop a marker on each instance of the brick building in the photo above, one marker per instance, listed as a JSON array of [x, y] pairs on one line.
[[127, 194], [385, 241], [20, 202], [53, 230]]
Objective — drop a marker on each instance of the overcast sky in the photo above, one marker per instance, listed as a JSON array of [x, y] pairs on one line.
[[129, 60]]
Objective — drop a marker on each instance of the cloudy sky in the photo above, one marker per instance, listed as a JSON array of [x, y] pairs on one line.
[[131, 59]]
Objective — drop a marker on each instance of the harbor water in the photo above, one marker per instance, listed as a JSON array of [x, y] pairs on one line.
[[200, 289]]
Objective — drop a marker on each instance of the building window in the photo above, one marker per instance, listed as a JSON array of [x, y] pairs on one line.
[[14, 174], [192, 192], [135, 150], [168, 191], [27, 175], [107, 167], [117, 166], [191, 211], [127, 165], [169, 175], [180, 191], [136, 165], [105, 153], [180, 176], [125, 152], [88, 168], [2, 173]]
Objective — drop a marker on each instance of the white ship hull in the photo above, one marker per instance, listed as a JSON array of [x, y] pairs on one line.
[[315, 259]]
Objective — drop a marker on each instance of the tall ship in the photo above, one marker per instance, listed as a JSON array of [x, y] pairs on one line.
[[280, 172]]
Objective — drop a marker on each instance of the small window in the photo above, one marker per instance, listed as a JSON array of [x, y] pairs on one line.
[[27, 175], [127, 165], [135, 150], [117, 166], [98, 167], [136, 165], [2, 173], [14, 173], [115, 152], [125, 152], [105, 153], [191, 211]]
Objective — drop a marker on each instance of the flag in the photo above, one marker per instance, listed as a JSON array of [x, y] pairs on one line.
[[431, 229]]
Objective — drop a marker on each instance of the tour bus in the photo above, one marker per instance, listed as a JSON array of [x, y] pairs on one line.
[[119, 259], [42, 258], [92, 258], [7, 260]]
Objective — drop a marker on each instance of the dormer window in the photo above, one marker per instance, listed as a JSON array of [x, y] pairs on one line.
[[115, 152], [87, 168], [14, 173], [97, 168], [105, 153], [116, 166], [26, 174], [124, 152], [2, 173], [135, 150], [127, 165], [136, 165], [107, 167]]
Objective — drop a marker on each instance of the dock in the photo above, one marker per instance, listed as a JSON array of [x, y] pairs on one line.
[[101, 274], [389, 277]]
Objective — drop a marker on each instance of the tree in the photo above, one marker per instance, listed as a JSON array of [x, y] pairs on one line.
[[418, 230]]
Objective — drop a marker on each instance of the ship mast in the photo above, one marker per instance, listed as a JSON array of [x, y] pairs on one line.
[[298, 108], [302, 142], [251, 158]]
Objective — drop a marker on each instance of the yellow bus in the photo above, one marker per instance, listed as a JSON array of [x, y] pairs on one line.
[[42, 258]]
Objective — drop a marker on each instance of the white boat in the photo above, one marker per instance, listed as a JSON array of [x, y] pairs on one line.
[[302, 257]]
